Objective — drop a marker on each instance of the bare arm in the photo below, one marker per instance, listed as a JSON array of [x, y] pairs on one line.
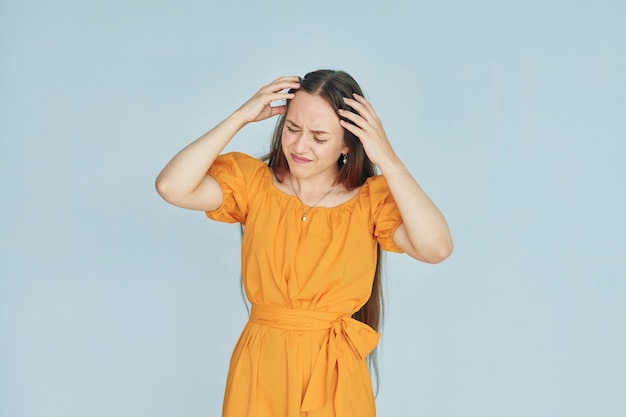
[[184, 181], [424, 233]]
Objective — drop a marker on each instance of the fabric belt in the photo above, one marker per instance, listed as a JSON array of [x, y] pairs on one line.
[[345, 336]]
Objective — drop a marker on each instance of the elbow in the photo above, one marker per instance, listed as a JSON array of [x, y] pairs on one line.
[[442, 253], [165, 189], [441, 247], [438, 253]]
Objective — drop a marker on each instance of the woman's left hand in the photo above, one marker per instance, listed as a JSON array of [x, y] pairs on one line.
[[369, 129], [424, 233]]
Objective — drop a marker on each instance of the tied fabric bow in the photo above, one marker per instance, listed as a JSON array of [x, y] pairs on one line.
[[345, 336]]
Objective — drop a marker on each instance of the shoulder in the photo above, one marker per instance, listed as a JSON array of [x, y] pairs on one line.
[[376, 194], [376, 181], [239, 171], [238, 163], [241, 159], [376, 188]]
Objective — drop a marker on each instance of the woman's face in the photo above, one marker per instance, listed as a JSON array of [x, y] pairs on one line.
[[312, 138]]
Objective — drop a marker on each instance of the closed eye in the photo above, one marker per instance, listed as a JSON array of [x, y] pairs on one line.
[[292, 130]]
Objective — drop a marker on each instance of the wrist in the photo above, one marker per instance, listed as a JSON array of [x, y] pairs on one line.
[[391, 165], [237, 119]]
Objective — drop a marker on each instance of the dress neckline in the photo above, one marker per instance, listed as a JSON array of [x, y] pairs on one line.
[[269, 174]]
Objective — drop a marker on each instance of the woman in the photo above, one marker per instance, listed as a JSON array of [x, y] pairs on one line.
[[315, 216]]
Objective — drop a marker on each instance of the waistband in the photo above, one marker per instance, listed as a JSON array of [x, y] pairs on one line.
[[291, 319], [345, 336]]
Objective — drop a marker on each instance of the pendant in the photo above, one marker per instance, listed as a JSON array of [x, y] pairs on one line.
[[304, 218]]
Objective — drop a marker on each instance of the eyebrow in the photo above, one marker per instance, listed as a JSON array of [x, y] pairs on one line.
[[317, 132]]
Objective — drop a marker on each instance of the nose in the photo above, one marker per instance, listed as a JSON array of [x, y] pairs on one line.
[[300, 145]]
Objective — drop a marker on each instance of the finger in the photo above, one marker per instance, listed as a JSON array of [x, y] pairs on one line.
[[355, 130], [283, 83], [290, 78], [362, 106], [276, 110], [364, 102], [357, 119], [278, 97], [269, 98], [357, 107]]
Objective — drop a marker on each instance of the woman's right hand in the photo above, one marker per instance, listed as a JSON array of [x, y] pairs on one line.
[[184, 181], [258, 107]]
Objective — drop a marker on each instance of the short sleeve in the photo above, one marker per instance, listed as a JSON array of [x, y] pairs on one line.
[[385, 214], [238, 175]]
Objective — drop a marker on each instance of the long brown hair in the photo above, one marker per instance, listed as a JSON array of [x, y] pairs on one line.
[[333, 86]]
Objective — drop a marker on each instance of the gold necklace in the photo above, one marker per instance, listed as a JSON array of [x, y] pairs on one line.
[[305, 212]]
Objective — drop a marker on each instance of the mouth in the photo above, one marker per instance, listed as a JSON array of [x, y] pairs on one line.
[[297, 159]]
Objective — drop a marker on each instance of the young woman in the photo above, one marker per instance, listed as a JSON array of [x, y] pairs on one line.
[[315, 217]]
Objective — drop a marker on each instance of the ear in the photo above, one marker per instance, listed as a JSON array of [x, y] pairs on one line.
[[345, 149]]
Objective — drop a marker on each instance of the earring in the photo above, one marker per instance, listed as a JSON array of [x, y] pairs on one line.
[[345, 158]]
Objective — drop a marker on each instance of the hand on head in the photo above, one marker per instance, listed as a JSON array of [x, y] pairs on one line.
[[259, 107]]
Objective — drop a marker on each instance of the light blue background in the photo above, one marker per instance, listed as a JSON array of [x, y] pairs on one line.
[[510, 114]]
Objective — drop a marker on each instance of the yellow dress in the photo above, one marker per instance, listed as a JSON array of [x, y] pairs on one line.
[[301, 354]]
